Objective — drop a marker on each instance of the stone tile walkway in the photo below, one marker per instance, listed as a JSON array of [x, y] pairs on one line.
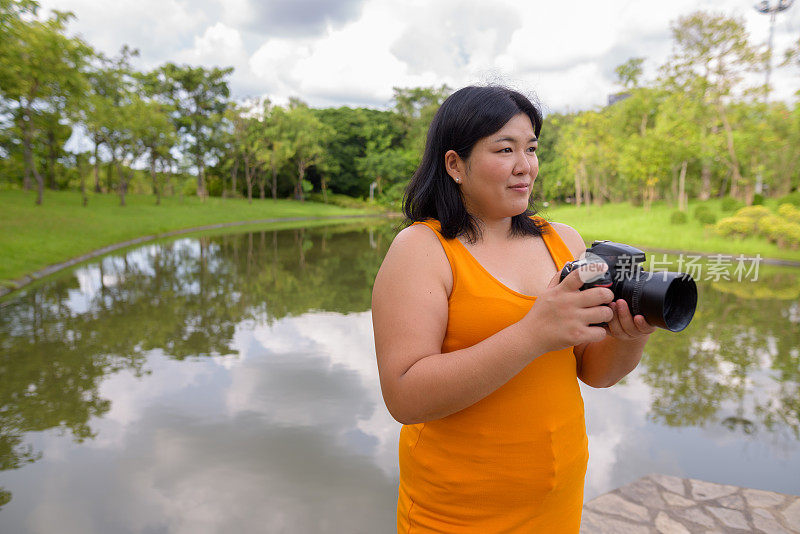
[[671, 505]]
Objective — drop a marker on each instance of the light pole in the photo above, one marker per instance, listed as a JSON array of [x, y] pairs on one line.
[[766, 7]]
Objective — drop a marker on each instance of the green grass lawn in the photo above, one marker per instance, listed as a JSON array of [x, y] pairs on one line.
[[635, 226], [32, 237]]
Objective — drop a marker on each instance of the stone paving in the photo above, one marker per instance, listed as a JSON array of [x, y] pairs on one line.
[[671, 505]]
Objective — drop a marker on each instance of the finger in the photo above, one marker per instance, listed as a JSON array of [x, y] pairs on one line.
[[598, 314], [571, 282], [625, 318], [575, 279], [556, 279], [643, 326], [614, 328], [595, 333], [595, 296]]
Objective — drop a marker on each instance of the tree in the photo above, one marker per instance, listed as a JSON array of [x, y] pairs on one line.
[[415, 108], [385, 163], [199, 98], [41, 68], [273, 146], [304, 134], [630, 72], [712, 55]]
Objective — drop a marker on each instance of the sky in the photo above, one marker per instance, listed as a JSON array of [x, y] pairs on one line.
[[353, 52]]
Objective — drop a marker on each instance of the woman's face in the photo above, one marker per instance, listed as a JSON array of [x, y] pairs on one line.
[[497, 177]]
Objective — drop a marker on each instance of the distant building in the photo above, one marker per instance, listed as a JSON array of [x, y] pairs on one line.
[[616, 97]]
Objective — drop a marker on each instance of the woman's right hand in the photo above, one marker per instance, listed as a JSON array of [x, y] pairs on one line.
[[561, 315]]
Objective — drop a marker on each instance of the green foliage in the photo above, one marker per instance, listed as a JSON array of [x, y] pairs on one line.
[[730, 204], [736, 227], [756, 213], [705, 215], [782, 229], [789, 212], [791, 198], [758, 200], [678, 217], [783, 232], [343, 201]]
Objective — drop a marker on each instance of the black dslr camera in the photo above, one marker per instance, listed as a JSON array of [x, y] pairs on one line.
[[665, 299]]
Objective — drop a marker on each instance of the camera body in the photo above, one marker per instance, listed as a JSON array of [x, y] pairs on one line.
[[665, 299]]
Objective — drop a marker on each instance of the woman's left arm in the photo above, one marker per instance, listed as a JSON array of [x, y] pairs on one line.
[[604, 363]]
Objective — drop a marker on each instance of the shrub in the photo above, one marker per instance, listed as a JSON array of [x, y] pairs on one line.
[[786, 234], [730, 204], [758, 200], [770, 227], [754, 212], [735, 227], [337, 199], [791, 198], [678, 217], [705, 215], [789, 212], [189, 188]]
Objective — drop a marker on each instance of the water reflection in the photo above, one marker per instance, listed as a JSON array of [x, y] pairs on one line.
[[224, 381]]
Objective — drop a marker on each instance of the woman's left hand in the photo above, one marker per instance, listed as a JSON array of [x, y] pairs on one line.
[[626, 327]]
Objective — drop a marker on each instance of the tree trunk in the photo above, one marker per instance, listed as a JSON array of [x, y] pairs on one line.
[[587, 198], [52, 155], [201, 178], [262, 178], [110, 172], [248, 176], [705, 178], [154, 176], [578, 191], [650, 194], [301, 172], [736, 177], [30, 162], [682, 187], [96, 166], [234, 172], [123, 184], [274, 182], [325, 190], [82, 172]]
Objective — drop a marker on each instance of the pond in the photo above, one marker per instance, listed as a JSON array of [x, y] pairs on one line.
[[228, 383]]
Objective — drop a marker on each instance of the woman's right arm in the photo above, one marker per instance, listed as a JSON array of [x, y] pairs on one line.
[[409, 314]]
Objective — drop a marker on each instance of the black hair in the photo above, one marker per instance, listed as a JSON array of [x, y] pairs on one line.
[[465, 117]]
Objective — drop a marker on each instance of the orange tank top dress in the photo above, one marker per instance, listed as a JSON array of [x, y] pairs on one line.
[[515, 461]]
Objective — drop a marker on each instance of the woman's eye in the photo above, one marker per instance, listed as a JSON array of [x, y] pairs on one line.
[[505, 150], [532, 149]]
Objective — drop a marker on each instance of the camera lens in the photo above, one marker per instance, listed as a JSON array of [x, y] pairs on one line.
[[667, 300]]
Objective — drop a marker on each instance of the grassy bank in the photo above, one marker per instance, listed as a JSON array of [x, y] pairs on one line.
[[635, 226], [32, 237]]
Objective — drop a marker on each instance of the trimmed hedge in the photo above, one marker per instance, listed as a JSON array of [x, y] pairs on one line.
[[705, 215], [730, 204], [782, 229], [791, 198], [735, 227], [678, 217], [789, 212]]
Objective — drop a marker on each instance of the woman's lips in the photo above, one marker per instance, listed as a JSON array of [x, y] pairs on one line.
[[520, 188]]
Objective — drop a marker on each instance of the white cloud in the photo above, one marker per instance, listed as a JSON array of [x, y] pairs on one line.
[[355, 52]]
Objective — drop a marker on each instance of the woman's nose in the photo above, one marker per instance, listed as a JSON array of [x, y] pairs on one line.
[[523, 164]]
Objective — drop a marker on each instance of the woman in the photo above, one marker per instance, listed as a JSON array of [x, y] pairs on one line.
[[479, 345]]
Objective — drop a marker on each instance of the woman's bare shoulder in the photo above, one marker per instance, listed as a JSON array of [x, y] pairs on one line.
[[417, 252], [571, 237]]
